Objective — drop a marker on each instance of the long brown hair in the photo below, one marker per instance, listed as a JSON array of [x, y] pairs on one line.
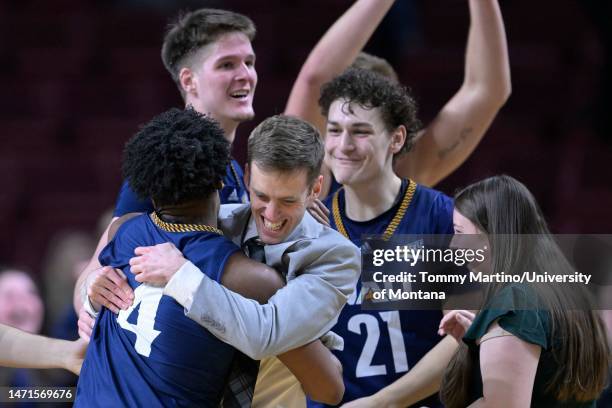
[[505, 210]]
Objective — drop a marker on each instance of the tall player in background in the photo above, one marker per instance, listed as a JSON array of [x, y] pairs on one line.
[[457, 129], [152, 352], [209, 56]]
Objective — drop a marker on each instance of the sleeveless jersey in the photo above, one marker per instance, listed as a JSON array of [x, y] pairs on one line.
[[381, 346], [152, 354]]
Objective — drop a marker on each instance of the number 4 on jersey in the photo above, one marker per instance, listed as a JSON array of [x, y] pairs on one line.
[[148, 297]]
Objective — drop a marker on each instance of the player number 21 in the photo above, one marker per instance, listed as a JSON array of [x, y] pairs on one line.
[[365, 368], [148, 297]]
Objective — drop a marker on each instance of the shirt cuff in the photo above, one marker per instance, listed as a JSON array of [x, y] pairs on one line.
[[89, 308], [184, 284]]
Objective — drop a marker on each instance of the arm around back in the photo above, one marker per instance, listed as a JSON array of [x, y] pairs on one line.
[[326, 274]]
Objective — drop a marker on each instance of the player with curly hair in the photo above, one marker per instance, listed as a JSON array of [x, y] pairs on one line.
[[371, 120]]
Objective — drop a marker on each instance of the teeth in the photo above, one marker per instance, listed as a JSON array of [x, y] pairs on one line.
[[239, 94], [272, 225]]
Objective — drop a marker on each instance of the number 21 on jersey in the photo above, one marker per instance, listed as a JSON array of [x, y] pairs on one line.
[[371, 324]]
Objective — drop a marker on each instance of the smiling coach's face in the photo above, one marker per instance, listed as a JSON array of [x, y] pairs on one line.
[[278, 200]]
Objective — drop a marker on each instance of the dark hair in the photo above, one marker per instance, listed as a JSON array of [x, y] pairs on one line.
[[180, 155], [375, 64], [370, 90], [286, 143], [195, 30], [505, 210]]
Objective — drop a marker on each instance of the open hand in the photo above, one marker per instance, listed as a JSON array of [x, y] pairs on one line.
[[456, 323]]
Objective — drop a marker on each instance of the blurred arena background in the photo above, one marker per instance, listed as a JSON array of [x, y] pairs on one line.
[[78, 77]]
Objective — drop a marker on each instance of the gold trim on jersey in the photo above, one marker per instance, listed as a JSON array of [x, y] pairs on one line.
[[390, 230], [171, 227]]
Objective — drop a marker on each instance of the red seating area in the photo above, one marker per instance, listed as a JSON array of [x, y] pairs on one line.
[[77, 79]]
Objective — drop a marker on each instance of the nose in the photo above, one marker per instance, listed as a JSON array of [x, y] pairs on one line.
[[272, 211], [346, 141], [245, 72]]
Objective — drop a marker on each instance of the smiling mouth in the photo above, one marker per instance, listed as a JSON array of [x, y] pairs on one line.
[[346, 161], [273, 226], [240, 95]]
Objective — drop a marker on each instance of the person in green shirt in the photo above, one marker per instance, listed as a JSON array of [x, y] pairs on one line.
[[531, 344]]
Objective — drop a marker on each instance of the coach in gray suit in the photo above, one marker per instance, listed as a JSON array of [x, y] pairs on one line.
[[319, 264]]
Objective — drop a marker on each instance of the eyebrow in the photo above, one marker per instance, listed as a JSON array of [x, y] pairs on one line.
[[358, 124], [362, 124], [290, 197], [234, 55]]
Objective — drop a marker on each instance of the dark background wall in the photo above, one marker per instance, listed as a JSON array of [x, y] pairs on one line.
[[78, 77]]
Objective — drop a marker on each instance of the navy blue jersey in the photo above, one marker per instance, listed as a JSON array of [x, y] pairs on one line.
[[152, 354], [333, 186], [381, 346], [233, 192]]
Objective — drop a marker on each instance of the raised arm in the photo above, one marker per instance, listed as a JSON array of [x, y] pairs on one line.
[[334, 52], [458, 128], [25, 350]]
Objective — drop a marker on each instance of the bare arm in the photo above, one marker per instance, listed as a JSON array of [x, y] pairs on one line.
[[318, 370], [95, 273], [315, 367], [25, 350], [80, 288], [335, 52], [252, 279], [420, 382], [460, 125], [508, 366]]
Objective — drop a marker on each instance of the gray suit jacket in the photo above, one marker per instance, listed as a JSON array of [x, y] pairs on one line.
[[321, 267]]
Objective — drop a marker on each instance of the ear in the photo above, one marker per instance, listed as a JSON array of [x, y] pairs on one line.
[[316, 187], [188, 81], [247, 175], [398, 138]]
